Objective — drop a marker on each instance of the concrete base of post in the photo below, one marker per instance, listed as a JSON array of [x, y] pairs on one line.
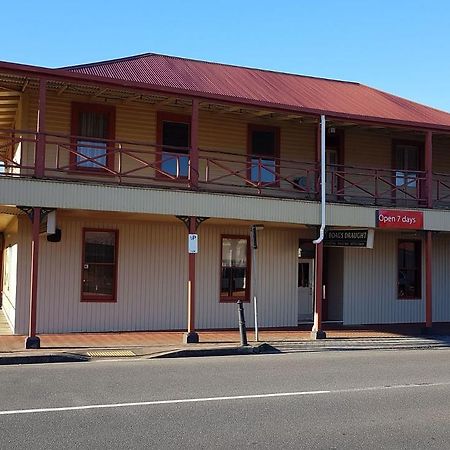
[[191, 338], [32, 342], [318, 334]]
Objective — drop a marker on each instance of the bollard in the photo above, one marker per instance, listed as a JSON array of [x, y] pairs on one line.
[[242, 329]]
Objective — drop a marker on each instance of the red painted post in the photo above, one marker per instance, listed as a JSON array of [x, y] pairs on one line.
[[429, 167], [39, 163], [428, 282], [32, 340], [194, 158], [191, 336], [318, 157], [317, 331]]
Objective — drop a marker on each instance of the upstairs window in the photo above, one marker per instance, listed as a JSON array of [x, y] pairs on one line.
[[407, 163], [263, 148], [99, 270], [93, 130], [174, 140], [235, 271], [409, 259]]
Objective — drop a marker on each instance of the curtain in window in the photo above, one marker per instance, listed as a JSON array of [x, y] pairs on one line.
[[92, 125]]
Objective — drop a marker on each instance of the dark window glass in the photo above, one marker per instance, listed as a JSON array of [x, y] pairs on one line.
[[406, 165], [175, 161], [234, 270], [99, 265], [303, 274], [263, 150], [409, 269], [263, 143]]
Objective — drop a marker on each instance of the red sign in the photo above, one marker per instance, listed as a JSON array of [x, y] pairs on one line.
[[412, 220]]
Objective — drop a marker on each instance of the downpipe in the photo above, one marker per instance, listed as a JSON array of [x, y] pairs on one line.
[[322, 181]]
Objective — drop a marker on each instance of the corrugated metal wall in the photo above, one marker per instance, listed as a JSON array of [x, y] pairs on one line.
[[370, 285], [152, 279], [9, 287], [276, 272], [441, 278]]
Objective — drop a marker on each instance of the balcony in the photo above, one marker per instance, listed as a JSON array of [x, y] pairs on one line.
[[132, 163]]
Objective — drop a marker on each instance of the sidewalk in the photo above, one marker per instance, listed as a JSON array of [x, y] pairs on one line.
[[84, 346]]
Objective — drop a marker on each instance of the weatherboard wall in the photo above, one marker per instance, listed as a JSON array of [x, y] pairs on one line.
[[152, 279]]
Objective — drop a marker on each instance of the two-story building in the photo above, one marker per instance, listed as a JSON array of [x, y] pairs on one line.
[[110, 172]]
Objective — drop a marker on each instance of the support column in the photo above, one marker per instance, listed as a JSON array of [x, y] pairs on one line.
[[428, 283], [318, 158], [429, 168], [194, 158], [39, 163], [33, 341], [191, 337], [317, 332]]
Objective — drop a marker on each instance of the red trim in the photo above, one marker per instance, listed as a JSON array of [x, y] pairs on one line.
[[246, 298], [193, 154], [428, 280], [39, 163], [102, 298], [61, 74], [34, 270], [276, 157], [110, 111], [191, 263], [418, 268], [429, 167], [162, 116]]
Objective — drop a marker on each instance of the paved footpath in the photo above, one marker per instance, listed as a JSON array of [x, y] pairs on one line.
[[114, 347]]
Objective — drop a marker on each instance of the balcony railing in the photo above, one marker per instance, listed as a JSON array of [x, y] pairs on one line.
[[149, 164]]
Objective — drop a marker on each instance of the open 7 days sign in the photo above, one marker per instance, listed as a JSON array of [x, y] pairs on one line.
[[411, 220]]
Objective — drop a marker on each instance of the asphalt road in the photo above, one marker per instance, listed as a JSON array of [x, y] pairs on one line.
[[345, 400]]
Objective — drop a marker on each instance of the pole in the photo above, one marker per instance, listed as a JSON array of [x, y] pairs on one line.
[[39, 163], [33, 341], [191, 337], [428, 282], [242, 328], [254, 282]]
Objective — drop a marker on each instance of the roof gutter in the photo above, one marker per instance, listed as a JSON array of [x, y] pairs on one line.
[[322, 181]]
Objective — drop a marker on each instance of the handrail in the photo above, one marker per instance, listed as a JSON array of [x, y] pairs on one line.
[[149, 163]]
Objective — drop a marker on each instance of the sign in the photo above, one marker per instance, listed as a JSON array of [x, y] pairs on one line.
[[193, 243], [410, 220], [349, 238]]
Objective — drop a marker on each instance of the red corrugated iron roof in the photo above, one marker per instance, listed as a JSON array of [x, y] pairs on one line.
[[267, 88]]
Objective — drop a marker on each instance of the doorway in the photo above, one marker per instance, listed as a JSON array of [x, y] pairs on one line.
[[305, 290]]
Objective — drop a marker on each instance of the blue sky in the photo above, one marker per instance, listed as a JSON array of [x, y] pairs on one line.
[[400, 46]]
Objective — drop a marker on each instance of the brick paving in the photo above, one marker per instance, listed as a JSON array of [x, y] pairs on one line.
[[155, 341]]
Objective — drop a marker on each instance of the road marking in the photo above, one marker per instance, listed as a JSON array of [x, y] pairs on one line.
[[216, 399]]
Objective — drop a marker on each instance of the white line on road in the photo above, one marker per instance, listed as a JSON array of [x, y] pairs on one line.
[[216, 399]]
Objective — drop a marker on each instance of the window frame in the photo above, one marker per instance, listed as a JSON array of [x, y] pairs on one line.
[[250, 155], [163, 116], [421, 184], [110, 111], [246, 297], [418, 269], [92, 298]]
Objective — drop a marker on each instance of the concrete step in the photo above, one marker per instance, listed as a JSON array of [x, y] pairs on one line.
[[363, 344]]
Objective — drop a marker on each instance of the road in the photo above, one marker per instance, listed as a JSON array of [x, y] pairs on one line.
[[332, 400]]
